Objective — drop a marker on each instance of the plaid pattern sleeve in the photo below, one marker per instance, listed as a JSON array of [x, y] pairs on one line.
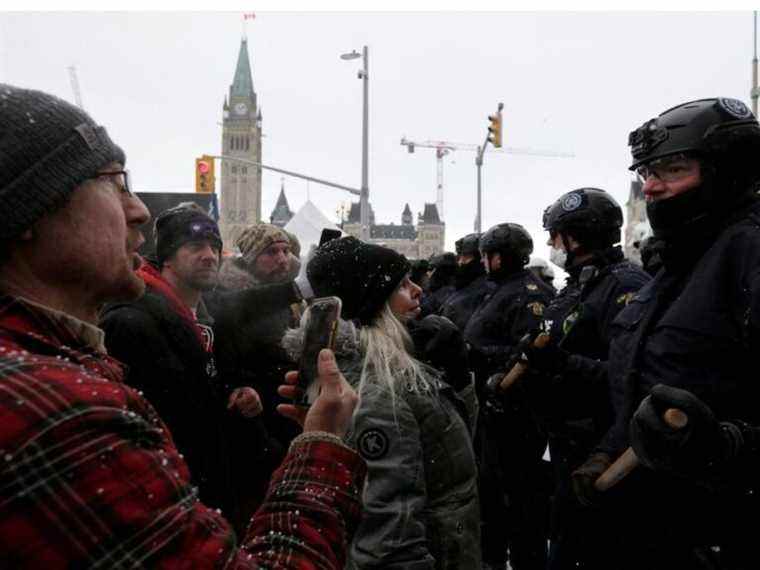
[[90, 478]]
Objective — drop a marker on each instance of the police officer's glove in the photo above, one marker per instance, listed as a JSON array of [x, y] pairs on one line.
[[550, 359], [691, 449], [586, 475], [439, 342], [494, 404]]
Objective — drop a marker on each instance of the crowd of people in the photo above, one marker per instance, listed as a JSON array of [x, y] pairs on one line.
[[467, 414]]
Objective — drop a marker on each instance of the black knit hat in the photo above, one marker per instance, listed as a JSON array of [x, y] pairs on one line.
[[177, 226], [47, 148], [363, 275]]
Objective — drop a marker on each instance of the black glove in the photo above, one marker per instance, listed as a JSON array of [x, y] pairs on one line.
[[550, 360], [586, 475], [702, 443], [439, 342], [493, 405]]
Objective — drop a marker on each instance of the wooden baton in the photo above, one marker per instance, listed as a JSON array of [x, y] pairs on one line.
[[628, 461], [520, 368]]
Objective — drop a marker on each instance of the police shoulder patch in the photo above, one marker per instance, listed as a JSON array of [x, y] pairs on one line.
[[625, 298], [372, 443], [536, 308]]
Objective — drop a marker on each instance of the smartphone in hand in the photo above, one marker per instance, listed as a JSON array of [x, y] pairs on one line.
[[321, 326]]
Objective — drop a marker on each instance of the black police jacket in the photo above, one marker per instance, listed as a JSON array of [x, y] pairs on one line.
[[575, 403], [463, 302], [512, 308], [433, 301], [695, 326], [704, 335]]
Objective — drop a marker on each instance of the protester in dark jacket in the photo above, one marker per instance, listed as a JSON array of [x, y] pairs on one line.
[[167, 340], [249, 334], [248, 330]]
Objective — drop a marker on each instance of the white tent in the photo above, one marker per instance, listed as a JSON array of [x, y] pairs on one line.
[[307, 225]]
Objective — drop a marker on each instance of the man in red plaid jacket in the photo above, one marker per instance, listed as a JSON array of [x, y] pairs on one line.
[[89, 475]]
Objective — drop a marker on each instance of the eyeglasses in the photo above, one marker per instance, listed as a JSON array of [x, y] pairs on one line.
[[669, 169], [122, 181]]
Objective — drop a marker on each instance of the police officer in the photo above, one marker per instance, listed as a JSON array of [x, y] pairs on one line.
[[695, 326], [470, 282], [511, 442], [440, 285], [570, 388]]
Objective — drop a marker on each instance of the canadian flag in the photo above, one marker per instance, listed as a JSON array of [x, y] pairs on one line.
[[250, 16]]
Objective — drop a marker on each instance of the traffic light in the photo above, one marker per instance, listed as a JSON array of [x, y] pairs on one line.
[[205, 181], [494, 130]]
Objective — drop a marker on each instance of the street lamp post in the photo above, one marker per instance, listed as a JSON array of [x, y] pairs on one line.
[[755, 89], [364, 197], [479, 164]]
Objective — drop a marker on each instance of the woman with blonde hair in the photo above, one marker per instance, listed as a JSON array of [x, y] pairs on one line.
[[413, 424]]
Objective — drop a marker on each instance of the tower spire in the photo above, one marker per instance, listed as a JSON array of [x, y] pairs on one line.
[[242, 84]]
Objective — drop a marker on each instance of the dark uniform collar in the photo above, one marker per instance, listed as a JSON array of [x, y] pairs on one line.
[[590, 268], [501, 276]]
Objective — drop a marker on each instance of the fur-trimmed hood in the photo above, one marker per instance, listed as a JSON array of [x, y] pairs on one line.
[[234, 274]]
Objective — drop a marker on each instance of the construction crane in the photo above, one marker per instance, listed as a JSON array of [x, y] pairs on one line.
[[443, 148], [75, 86]]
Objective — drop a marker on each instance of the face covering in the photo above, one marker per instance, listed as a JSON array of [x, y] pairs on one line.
[[558, 257]]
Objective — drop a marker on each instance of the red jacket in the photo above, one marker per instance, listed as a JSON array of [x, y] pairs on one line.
[[90, 477]]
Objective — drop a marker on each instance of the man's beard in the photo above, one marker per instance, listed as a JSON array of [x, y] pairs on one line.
[[199, 283], [279, 276]]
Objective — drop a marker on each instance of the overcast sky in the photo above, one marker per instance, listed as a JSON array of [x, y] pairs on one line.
[[570, 82]]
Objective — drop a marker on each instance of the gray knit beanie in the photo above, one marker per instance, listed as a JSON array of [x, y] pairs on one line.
[[47, 148]]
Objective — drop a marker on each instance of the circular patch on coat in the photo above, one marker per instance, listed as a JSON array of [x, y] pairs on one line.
[[571, 202], [372, 443], [735, 108]]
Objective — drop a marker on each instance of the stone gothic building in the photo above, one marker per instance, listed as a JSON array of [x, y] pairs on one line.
[[241, 137], [420, 242], [282, 213]]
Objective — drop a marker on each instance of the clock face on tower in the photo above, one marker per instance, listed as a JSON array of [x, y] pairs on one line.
[[241, 109]]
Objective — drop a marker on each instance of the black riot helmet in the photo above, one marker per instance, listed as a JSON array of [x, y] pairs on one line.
[[468, 245], [590, 215], [724, 136], [512, 241], [445, 260], [690, 128]]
